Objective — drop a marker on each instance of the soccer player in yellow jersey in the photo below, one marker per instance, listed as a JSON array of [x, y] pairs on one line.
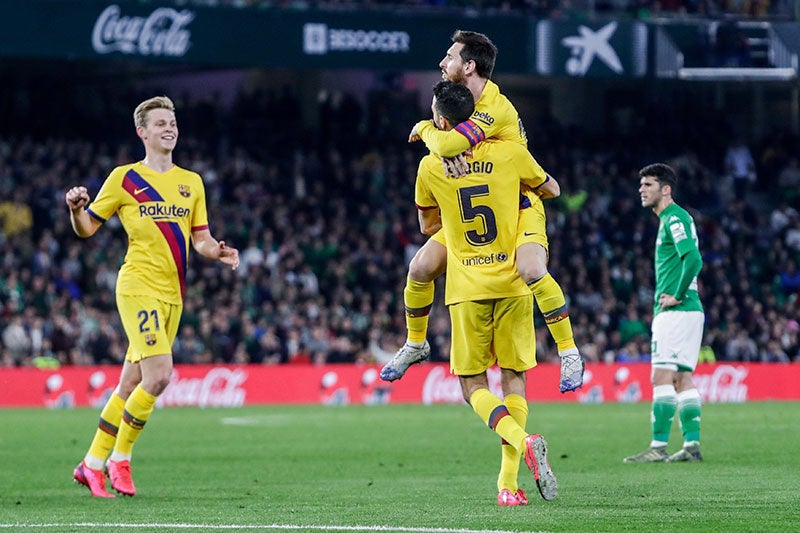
[[491, 307], [470, 61], [162, 208]]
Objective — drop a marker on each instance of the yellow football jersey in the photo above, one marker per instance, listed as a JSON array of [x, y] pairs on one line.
[[479, 218], [494, 118], [159, 212]]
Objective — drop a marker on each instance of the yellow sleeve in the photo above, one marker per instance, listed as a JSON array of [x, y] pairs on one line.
[[531, 172], [448, 143], [423, 195], [109, 198], [200, 212]]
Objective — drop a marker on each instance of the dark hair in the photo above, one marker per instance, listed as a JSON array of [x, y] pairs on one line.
[[664, 174], [454, 101], [478, 48]]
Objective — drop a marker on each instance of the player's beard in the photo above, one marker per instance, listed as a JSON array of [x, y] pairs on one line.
[[651, 201], [458, 77]]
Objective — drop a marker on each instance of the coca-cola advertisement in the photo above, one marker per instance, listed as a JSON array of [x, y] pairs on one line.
[[234, 386], [164, 32]]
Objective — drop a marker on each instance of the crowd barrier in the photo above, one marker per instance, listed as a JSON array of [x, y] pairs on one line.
[[232, 386]]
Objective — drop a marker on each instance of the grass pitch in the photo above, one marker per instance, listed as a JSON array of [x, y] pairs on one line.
[[403, 468]]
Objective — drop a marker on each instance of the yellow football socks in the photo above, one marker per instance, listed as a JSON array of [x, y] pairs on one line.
[[495, 415], [106, 434], [550, 299], [418, 299], [509, 464], [137, 411]]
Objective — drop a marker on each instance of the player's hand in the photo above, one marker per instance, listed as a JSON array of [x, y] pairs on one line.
[[572, 367], [455, 167], [414, 135], [77, 198], [228, 255], [667, 300]]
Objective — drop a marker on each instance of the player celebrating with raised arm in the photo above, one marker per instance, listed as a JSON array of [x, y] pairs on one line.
[[678, 319], [161, 206], [491, 308], [470, 61]]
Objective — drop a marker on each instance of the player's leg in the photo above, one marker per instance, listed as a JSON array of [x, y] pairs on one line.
[[532, 266], [515, 348], [429, 263], [473, 339], [662, 411], [151, 342], [510, 339], [156, 370], [471, 355], [665, 398], [689, 411], [688, 398], [91, 471], [111, 416], [496, 415], [509, 492]]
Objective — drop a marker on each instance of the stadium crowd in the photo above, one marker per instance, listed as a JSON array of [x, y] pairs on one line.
[[326, 230]]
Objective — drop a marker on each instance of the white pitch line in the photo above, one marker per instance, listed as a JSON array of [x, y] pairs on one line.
[[249, 526]]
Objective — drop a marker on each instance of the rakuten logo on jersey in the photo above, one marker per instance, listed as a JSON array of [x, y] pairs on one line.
[[319, 39], [162, 33], [160, 211]]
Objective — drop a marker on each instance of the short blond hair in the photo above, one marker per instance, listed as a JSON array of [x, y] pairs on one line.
[[157, 102]]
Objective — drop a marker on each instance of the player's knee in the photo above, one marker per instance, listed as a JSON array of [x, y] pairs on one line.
[[531, 270], [531, 261], [125, 388], [156, 384], [683, 381], [424, 267]]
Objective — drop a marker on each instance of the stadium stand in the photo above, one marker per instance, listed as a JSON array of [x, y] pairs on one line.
[[326, 231], [326, 228]]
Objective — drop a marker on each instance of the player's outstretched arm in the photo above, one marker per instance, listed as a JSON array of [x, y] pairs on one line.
[[207, 246], [83, 224]]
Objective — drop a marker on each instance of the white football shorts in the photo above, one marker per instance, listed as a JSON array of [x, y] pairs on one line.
[[676, 339]]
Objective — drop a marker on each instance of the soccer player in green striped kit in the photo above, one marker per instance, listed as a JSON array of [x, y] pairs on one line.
[[678, 319]]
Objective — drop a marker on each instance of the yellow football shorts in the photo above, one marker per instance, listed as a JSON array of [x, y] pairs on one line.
[[150, 324], [492, 331], [532, 223]]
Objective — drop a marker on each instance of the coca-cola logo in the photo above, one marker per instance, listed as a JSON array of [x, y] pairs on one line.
[[725, 384], [162, 33], [443, 387], [220, 387]]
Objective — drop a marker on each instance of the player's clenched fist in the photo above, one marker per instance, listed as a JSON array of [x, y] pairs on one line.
[[77, 197]]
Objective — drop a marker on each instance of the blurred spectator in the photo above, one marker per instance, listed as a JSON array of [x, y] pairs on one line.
[[789, 182], [740, 167], [16, 215], [789, 278], [741, 348], [16, 340]]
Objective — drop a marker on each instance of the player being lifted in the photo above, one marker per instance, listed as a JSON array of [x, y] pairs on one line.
[[470, 61]]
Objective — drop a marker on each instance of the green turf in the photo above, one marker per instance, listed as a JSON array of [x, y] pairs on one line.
[[407, 467]]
